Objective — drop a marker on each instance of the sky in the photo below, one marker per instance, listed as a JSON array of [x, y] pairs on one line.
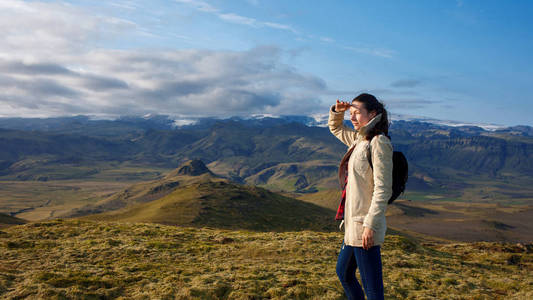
[[467, 61]]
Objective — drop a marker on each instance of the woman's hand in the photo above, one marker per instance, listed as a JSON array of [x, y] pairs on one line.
[[368, 238], [341, 106]]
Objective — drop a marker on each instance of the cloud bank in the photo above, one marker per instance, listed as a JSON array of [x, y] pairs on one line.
[[50, 66], [185, 82]]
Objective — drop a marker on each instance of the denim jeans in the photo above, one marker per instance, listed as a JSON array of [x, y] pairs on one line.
[[369, 263]]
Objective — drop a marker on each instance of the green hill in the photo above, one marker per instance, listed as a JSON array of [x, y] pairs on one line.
[[301, 177], [73, 259], [192, 196]]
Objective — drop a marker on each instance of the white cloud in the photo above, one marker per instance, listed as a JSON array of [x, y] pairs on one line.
[[252, 22], [35, 30], [200, 5], [50, 67], [280, 26], [235, 18], [380, 52]]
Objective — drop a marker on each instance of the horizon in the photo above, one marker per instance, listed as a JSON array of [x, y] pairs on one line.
[[319, 119], [462, 61]]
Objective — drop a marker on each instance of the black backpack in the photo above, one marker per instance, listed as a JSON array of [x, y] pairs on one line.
[[399, 173]]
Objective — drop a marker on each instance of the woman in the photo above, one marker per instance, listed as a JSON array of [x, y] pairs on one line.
[[367, 190]]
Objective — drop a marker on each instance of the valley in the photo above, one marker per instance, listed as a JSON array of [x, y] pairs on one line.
[[429, 216]]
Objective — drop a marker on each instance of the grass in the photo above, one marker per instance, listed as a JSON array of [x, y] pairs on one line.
[[74, 259], [181, 205]]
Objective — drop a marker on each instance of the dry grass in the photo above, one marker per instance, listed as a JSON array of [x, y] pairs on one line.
[[468, 222], [52, 198], [72, 259]]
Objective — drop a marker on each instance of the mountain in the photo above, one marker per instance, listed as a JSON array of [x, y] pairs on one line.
[[458, 161], [86, 124], [194, 167], [192, 196]]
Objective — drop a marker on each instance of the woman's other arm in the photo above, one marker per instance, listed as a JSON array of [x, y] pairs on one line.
[[336, 123]]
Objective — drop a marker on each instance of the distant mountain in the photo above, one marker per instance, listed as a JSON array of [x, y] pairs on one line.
[[279, 153], [517, 130], [163, 122], [192, 196]]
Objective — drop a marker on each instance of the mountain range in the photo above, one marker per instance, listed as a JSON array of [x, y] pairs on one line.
[[282, 153]]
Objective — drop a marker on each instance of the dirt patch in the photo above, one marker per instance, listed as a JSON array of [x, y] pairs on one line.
[[468, 222]]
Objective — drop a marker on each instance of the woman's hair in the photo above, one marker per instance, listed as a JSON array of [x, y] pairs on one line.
[[372, 104]]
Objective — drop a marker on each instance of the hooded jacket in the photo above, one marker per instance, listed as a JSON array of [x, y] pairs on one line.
[[368, 189]]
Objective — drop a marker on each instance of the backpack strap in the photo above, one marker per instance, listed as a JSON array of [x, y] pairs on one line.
[[370, 154]]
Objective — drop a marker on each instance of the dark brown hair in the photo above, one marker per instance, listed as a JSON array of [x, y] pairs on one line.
[[372, 104]]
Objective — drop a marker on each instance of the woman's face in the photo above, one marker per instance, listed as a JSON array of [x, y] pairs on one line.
[[359, 115]]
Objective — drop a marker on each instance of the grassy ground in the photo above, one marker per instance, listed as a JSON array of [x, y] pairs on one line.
[[72, 259]]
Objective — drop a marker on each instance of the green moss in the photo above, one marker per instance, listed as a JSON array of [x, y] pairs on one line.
[[145, 261]]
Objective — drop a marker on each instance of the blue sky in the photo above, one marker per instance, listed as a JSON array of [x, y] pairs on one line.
[[455, 60]]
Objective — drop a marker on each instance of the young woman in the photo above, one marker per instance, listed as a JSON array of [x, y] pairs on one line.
[[367, 190]]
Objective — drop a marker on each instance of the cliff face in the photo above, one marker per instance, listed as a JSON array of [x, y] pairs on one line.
[[473, 154]]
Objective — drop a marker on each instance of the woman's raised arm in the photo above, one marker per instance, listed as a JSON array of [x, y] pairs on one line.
[[336, 123]]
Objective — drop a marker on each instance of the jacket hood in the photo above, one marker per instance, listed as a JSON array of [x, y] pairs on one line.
[[363, 130]]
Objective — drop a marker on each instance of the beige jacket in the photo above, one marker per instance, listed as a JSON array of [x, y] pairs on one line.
[[368, 190]]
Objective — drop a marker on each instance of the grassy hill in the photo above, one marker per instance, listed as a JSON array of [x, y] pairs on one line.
[[74, 259], [192, 196], [302, 177]]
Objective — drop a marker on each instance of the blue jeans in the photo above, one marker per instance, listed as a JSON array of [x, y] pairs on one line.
[[369, 263]]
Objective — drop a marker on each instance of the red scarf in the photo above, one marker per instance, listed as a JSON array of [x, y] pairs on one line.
[[340, 210], [343, 180]]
